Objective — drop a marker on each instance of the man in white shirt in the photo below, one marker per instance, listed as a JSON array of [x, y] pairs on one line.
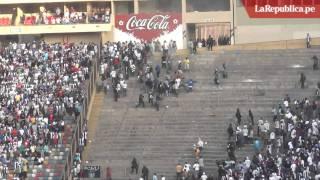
[[204, 176], [165, 47], [196, 168]]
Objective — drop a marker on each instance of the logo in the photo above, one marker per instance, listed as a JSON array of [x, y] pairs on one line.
[[282, 8], [148, 26], [155, 22]]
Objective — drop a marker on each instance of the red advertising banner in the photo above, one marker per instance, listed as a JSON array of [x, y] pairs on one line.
[[148, 26], [282, 8]]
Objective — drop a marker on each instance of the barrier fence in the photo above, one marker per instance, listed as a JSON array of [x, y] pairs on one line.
[[80, 122]]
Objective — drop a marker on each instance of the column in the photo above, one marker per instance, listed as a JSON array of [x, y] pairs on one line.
[[113, 13], [184, 25], [136, 6], [89, 11], [233, 7], [19, 15]]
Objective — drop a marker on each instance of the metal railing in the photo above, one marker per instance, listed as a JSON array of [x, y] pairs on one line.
[[80, 122]]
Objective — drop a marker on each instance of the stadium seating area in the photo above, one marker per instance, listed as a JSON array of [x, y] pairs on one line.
[[257, 80], [41, 99]]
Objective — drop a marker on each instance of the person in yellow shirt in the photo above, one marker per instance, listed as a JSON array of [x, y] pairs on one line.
[[17, 98], [186, 63]]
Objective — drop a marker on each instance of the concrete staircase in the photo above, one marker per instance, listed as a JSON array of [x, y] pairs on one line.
[[257, 80]]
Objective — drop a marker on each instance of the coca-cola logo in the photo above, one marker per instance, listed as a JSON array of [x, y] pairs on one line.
[[148, 26], [155, 22]]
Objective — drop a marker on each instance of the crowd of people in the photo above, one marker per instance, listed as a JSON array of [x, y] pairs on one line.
[[208, 43], [196, 170], [40, 83], [130, 59], [287, 147], [122, 61], [100, 15], [68, 15], [77, 160]]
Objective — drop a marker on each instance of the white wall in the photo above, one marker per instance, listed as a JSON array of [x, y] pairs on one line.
[[175, 35], [252, 30], [263, 33]]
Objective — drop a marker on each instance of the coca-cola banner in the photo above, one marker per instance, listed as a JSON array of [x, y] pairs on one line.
[[149, 27]]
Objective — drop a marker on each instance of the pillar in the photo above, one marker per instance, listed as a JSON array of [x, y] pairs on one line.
[[89, 11], [113, 13], [184, 25], [136, 6], [233, 21]]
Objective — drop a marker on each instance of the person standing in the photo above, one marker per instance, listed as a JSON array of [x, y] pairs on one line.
[[210, 43], [308, 39], [134, 165], [260, 126], [204, 176], [224, 71], [302, 80], [238, 116], [145, 173], [165, 48], [251, 117], [230, 130], [194, 50], [230, 150], [158, 70], [186, 63], [179, 171], [201, 162], [196, 168], [315, 63], [157, 102], [141, 101], [155, 177]]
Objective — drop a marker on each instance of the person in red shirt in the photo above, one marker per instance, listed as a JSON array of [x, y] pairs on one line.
[[14, 133]]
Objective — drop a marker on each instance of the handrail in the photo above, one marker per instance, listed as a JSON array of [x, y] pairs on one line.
[[90, 85]]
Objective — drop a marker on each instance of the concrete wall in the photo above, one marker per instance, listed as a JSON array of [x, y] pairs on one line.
[[107, 36], [265, 33], [203, 17], [147, 7], [73, 38], [252, 30], [45, 29], [123, 7]]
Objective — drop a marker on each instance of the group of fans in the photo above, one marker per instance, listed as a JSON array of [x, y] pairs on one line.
[[132, 59], [288, 148], [40, 84], [196, 170], [124, 60]]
